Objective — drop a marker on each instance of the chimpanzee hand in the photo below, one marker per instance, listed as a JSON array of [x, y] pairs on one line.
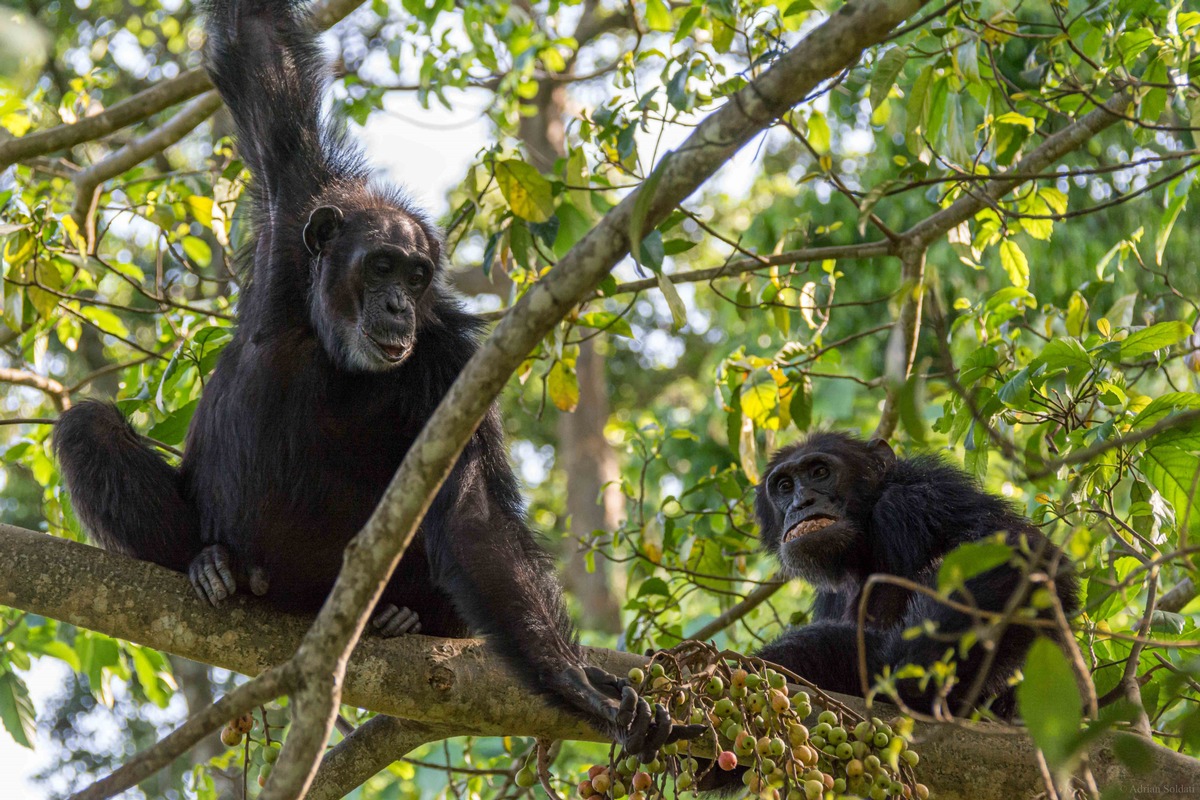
[[620, 714], [212, 575]]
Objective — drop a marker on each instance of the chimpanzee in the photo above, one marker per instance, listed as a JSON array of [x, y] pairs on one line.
[[347, 340], [836, 510]]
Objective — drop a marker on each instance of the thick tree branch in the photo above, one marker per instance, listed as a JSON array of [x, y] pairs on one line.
[[142, 105], [1179, 596], [369, 750], [456, 686]]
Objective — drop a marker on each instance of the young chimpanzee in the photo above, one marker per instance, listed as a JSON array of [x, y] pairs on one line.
[[836, 510], [347, 340]]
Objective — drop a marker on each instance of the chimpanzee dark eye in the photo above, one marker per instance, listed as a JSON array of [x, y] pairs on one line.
[[820, 472], [417, 278], [784, 486], [382, 265]]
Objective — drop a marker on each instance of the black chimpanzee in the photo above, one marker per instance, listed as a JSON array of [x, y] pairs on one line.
[[836, 510], [347, 340]]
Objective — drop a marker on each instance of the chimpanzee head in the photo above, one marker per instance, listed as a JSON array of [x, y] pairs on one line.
[[814, 505], [373, 265]]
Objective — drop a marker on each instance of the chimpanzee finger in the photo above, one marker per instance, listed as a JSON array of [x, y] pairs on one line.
[[196, 576], [212, 580], [679, 732], [383, 616], [657, 735], [629, 701], [635, 739], [202, 581]]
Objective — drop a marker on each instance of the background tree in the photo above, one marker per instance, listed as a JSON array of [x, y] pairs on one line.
[[861, 265]]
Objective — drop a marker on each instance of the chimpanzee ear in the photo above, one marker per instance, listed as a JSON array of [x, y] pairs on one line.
[[883, 451], [323, 224]]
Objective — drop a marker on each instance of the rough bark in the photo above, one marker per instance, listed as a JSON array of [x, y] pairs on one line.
[[452, 685]]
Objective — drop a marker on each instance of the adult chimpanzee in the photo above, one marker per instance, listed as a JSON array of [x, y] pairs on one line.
[[347, 340], [836, 510]]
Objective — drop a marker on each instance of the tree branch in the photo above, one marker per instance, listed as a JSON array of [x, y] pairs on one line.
[[89, 181], [59, 394], [447, 687], [906, 333], [369, 750]]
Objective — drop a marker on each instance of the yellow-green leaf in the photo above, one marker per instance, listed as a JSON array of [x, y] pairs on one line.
[[1015, 264], [658, 17], [528, 194], [563, 386]]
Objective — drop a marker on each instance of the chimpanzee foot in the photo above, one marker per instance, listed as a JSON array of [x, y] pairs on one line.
[[391, 620], [620, 713], [211, 574]]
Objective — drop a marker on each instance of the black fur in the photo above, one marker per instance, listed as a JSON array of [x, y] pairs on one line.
[[896, 517], [884, 515], [347, 340]]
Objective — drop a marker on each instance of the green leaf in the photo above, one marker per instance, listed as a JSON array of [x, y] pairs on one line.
[[918, 109], [563, 386], [1065, 352], [970, 559], [801, 406], [172, 429], [1015, 264], [147, 675], [1161, 406], [527, 193], [16, 710], [1049, 701], [197, 250], [641, 208], [1176, 475], [1177, 195], [1156, 337], [658, 17], [886, 72], [606, 321], [105, 320], [654, 586]]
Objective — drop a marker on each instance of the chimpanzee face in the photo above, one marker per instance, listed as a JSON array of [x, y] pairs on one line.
[[372, 273], [814, 506]]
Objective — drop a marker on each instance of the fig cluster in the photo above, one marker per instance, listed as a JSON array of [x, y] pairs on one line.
[[263, 756], [759, 726]]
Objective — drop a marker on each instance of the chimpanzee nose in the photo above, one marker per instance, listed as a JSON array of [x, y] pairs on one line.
[[394, 305]]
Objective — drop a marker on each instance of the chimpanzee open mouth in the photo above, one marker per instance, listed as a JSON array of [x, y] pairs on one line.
[[392, 352], [807, 526]]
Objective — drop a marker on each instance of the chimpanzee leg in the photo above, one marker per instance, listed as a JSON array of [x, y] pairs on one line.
[[125, 494]]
